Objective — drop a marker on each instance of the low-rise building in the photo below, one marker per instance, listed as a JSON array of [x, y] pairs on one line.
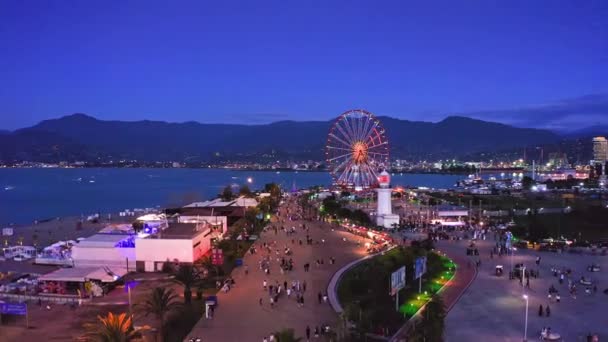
[[179, 243]]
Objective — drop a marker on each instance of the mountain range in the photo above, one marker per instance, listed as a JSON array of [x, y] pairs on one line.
[[83, 137]]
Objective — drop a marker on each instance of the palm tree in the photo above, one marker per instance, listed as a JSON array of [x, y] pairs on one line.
[[343, 326], [188, 277], [286, 335], [112, 328], [161, 302], [207, 263], [432, 324]]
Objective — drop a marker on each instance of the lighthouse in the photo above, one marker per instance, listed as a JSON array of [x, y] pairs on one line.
[[384, 212]]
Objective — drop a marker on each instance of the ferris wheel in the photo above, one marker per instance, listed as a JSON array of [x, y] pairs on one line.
[[357, 150]]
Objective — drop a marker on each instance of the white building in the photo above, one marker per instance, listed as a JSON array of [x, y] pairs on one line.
[[218, 202], [384, 212], [105, 250], [600, 150], [449, 215], [180, 243]]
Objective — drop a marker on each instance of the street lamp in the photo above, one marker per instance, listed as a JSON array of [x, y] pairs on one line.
[[511, 250], [526, 326]]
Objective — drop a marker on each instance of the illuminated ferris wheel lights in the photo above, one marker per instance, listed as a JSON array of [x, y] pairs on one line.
[[356, 150]]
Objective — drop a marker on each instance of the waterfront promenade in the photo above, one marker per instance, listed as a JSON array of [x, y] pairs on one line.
[[240, 317], [456, 287], [493, 309]]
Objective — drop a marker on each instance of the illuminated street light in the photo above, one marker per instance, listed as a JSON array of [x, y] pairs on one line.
[[249, 180], [526, 324]]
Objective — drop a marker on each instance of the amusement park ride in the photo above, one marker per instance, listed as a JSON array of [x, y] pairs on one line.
[[356, 150], [357, 154]]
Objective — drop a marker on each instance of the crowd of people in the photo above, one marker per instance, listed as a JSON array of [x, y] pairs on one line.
[[277, 261]]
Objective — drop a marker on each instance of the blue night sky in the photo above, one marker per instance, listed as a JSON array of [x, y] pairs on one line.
[[528, 63]]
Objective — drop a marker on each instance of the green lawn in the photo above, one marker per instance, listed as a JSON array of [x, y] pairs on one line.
[[582, 224], [500, 202], [364, 290]]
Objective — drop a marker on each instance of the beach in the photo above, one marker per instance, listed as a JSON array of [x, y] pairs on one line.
[[43, 234]]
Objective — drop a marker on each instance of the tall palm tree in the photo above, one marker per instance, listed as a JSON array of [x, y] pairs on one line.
[[160, 303], [207, 263], [286, 335], [187, 276], [112, 328], [432, 325]]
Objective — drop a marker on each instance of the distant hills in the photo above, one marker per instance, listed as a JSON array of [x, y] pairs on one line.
[[82, 137], [591, 131]]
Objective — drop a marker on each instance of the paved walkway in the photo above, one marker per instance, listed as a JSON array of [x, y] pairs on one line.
[[332, 288], [466, 273], [239, 316], [493, 309], [453, 290]]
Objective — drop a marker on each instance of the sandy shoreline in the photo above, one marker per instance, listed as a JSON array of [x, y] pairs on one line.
[[63, 228]]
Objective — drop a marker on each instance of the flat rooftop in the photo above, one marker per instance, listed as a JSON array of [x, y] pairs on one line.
[[182, 231], [218, 202], [81, 274], [102, 240]]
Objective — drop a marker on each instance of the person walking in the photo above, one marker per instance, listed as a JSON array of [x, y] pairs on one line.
[[307, 333], [540, 311], [548, 311]]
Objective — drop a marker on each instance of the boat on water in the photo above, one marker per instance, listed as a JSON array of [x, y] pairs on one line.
[[9, 187], [91, 181]]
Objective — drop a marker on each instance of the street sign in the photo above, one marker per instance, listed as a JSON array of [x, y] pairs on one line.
[[419, 267], [217, 256], [397, 280], [13, 309]]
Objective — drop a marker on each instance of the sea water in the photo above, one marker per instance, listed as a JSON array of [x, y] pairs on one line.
[[36, 194]]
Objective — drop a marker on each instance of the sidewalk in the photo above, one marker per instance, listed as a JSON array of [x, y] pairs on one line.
[[453, 290], [240, 317]]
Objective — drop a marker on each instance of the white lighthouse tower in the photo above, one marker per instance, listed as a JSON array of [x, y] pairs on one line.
[[384, 212]]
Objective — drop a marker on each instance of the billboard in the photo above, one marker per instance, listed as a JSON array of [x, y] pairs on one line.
[[397, 280], [419, 267], [13, 309], [217, 256]]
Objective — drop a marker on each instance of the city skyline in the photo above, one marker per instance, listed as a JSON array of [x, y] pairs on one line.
[[527, 65]]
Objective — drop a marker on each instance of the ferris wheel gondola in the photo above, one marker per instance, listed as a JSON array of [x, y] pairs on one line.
[[357, 150]]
